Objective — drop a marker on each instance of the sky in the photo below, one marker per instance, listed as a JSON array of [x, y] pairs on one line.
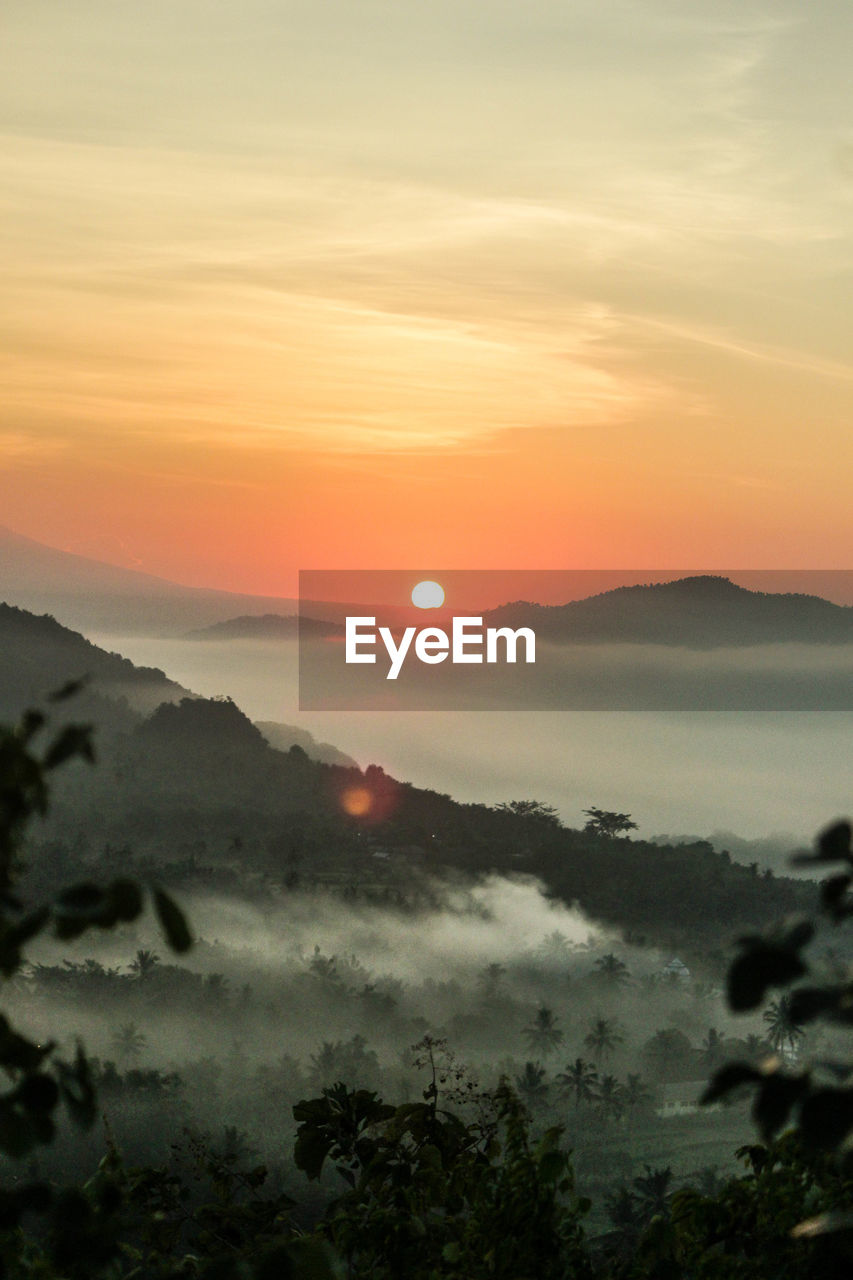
[[377, 283]]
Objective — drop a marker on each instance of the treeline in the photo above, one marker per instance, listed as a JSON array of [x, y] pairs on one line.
[[196, 783]]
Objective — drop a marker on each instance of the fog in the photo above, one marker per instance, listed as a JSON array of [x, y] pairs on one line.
[[473, 926], [280, 997], [754, 773]]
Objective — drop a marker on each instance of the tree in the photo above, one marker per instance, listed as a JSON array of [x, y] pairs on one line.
[[624, 1212], [756, 1047], [819, 1101], [712, 1050], [80, 1239], [783, 1030], [653, 1191], [605, 822], [555, 946], [144, 963], [603, 1039], [611, 1098], [545, 813], [128, 1042], [531, 1084], [579, 1080], [612, 971], [636, 1096], [668, 1055], [543, 1035], [490, 979], [429, 1196]]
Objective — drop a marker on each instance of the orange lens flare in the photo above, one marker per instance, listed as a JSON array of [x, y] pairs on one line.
[[356, 801]]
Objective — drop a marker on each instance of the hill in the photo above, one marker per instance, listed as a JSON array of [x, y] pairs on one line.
[[703, 611], [39, 655], [267, 626], [196, 789], [285, 736], [96, 596]]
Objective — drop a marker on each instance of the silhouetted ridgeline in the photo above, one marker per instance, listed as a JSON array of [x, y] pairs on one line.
[[196, 786], [39, 654], [701, 611], [106, 597], [267, 626]]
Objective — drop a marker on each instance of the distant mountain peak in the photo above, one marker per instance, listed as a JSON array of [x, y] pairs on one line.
[[702, 610], [706, 582]]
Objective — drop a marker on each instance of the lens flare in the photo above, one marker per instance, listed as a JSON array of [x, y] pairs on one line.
[[357, 802]]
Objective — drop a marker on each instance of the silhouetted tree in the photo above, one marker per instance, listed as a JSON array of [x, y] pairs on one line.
[[579, 1080], [712, 1051], [144, 963], [612, 971], [128, 1042], [783, 1031], [603, 1039], [531, 1084], [543, 1035], [653, 1191], [605, 822], [610, 1100]]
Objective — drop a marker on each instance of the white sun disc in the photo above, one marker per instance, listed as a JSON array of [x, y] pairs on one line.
[[428, 595]]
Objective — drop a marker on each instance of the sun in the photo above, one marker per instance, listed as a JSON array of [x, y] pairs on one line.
[[428, 595]]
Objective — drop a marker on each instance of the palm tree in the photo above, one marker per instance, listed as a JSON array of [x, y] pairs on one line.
[[555, 946], [756, 1047], [129, 1042], [610, 1098], [580, 1079], [144, 963], [325, 1063], [782, 1031], [635, 1094], [531, 1084], [712, 1051], [235, 1146], [624, 1212], [653, 1191], [612, 971], [603, 1039], [489, 980], [542, 1035], [215, 986]]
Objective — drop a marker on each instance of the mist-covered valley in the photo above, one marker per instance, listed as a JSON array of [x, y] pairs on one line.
[[285, 992], [485, 902], [754, 774]]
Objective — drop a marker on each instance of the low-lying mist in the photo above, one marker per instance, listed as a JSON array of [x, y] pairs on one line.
[[282, 996], [754, 773]]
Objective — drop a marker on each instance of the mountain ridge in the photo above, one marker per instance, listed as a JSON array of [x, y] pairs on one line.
[[94, 595], [701, 610]]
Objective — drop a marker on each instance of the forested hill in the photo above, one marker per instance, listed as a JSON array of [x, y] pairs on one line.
[[197, 784], [38, 654], [197, 788], [267, 626], [703, 611]]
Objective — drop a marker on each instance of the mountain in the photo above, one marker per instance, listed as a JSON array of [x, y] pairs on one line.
[[703, 611], [269, 626], [195, 789], [285, 736], [96, 596], [39, 655]]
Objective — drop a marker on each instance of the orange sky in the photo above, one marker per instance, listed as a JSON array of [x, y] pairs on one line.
[[511, 286]]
